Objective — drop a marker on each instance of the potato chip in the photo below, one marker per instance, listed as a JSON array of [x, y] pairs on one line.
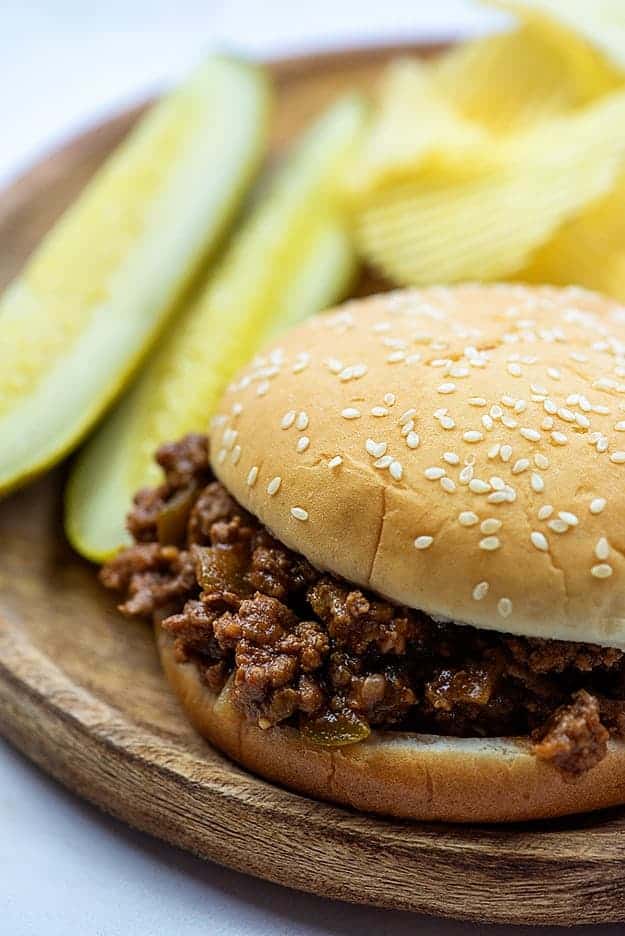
[[511, 80], [589, 250], [415, 127], [601, 23], [437, 228]]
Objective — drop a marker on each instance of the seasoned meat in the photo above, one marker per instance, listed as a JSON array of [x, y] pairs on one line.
[[301, 645], [574, 738]]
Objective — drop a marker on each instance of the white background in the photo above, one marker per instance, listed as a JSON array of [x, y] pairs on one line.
[[64, 867]]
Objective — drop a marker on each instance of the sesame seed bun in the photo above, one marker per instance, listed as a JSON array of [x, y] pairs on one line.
[[457, 450], [401, 774]]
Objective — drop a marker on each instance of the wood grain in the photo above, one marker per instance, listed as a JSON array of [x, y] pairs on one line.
[[82, 694]]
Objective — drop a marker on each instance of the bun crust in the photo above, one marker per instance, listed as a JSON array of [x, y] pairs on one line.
[[457, 450], [400, 774]]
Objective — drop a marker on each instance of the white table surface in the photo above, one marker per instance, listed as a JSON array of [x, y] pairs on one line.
[[64, 867]]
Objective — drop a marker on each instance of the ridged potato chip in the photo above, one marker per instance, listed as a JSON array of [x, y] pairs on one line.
[[438, 228], [589, 249], [416, 127], [601, 23], [510, 80]]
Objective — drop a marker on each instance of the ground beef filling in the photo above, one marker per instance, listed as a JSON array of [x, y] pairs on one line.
[[306, 648]]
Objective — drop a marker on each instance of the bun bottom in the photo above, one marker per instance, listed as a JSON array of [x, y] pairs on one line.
[[409, 776]]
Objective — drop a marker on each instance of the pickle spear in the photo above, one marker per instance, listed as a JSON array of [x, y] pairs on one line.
[[292, 257], [79, 318]]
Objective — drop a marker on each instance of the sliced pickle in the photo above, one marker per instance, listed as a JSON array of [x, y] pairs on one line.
[[79, 318], [292, 257], [335, 729]]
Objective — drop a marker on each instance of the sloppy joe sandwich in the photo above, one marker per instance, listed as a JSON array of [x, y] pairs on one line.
[[394, 577]]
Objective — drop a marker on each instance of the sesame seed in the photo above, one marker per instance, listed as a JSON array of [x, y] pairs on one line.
[[447, 422], [480, 591], [520, 406], [532, 435], [446, 387], [302, 444], [554, 373], [496, 411], [478, 486], [537, 483], [335, 462], [448, 485], [597, 505], [359, 370], [559, 438], [473, 435], [602, 549], [274, 485], [545, 512], [395, 357], [477, 401], [568, 517], [490, 543], [350, 412], [558, 525], [451, 458], [252, 476], [379, 411], [509, 422], [504, 607], [221, 456], [550, 407], [389, 399], [539, 389], [229, 437], [497, 483], [375, 449], [262, 388], [434, 473], [539, 540], [497, 497], [494, 450], [620, 426], [407, 416], [383, 462], [412, 440], [541, 461], [515, 370], [547, 423], [334, 365], [601, 571], [467, 518], [299, 513], [301, 422], [508, 400], [408, 427], [566, 414], [237, 409], [287, 420], [396, 470], [505, 453], [487, 422], [618, 458], [490, 525], [423, 542], [602, 445], [466, 474], [522, 464], [236, 455], [439, 413]]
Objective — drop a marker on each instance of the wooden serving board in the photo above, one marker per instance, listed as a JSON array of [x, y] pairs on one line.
[[81, 691]]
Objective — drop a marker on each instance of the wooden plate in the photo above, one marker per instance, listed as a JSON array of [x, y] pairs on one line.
[[81, 691]]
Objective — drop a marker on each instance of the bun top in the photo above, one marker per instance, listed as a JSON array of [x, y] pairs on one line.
[[458, 450]]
